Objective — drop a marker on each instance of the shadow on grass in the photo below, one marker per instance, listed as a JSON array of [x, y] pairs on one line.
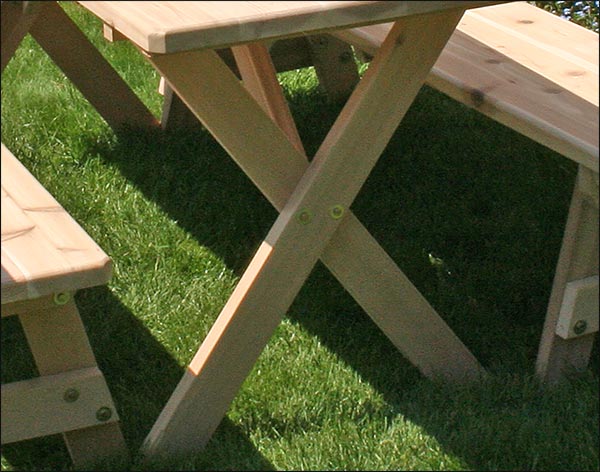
[[459, 197], [141, 375]]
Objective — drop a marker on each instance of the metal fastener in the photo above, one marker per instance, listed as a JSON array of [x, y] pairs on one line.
[[103, 414], [580, 327], [305, 216], [71, 395], [61, 298], [336, 212]]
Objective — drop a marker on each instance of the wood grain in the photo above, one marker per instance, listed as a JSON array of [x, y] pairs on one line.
[[523, 67], [284, 260], [167, 27], [44, 250]]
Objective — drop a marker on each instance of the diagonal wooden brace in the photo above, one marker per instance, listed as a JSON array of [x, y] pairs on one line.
[[80, 61], [314, 222]]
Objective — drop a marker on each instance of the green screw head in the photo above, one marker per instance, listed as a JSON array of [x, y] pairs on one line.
[[71, 395], [304, 216], [336, 212], [104, 413], [580, 327], [61, 298]]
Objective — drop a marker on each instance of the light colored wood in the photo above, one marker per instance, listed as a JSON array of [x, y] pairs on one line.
[[17, 18], [334, 64], [507, 62], [275, 166], [95, 78], [42, 330], [580, 305], [559, 50], [291, 248], [578, 259], [254, 63], [286, 54], [44, 250], [167, 27], [34, 304], [36, 407], [111, 34], [363, 267]]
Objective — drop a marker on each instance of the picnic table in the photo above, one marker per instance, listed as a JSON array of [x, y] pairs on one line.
[[255, 127], [252, 122]]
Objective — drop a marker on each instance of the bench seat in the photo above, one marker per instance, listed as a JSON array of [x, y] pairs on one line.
[[44, 250], [46, 258], [521, 66]]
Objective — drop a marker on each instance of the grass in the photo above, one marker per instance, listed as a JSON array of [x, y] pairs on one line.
[[471, 211]]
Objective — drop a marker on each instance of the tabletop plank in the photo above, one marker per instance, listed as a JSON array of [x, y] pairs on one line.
[[167, 27]]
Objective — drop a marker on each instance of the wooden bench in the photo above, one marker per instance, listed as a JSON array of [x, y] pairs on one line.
[[528, 70], [46, 258], [537, 74]]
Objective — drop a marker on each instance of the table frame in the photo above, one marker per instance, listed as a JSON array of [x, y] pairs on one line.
[[313, 199], [314, 222]]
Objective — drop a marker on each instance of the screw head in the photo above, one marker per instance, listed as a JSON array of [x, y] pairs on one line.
[[304, 216], [71, 395], [336, 212], [61, 298], [104, 413], [580, 327]]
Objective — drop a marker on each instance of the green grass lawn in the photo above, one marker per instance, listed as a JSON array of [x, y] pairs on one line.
[[471, 211]]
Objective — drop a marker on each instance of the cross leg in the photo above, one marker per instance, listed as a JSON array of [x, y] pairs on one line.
[[578, 259], [314, 205], [81, 62], [59, 343], [17, 18], [356, 252]]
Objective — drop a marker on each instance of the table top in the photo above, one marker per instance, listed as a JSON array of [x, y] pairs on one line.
[[166, 27]]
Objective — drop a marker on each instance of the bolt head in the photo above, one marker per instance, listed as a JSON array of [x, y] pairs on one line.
[[71, 395], [61, 298], [336, 212], [580, 327], [304, 217], [103, 414]]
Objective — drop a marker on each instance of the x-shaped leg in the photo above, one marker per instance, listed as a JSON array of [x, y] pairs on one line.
[[314, 223], [80, 61]]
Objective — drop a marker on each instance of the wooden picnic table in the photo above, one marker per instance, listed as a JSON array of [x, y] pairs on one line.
[[252, 122]]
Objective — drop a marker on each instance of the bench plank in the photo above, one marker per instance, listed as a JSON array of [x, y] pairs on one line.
[[44, 250], [500, 61]]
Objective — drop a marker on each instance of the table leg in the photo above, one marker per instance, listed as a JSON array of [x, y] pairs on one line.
[[16, 18], [334, 64], [356, 259], [81, 62], [309, 217], [59, 343], [260, 79], [578, 259]]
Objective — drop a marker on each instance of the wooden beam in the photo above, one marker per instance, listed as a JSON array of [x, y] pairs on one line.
[[578, 259], [54, 404], [16, 19], [95, 78], [309, 217], [59, 343]]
